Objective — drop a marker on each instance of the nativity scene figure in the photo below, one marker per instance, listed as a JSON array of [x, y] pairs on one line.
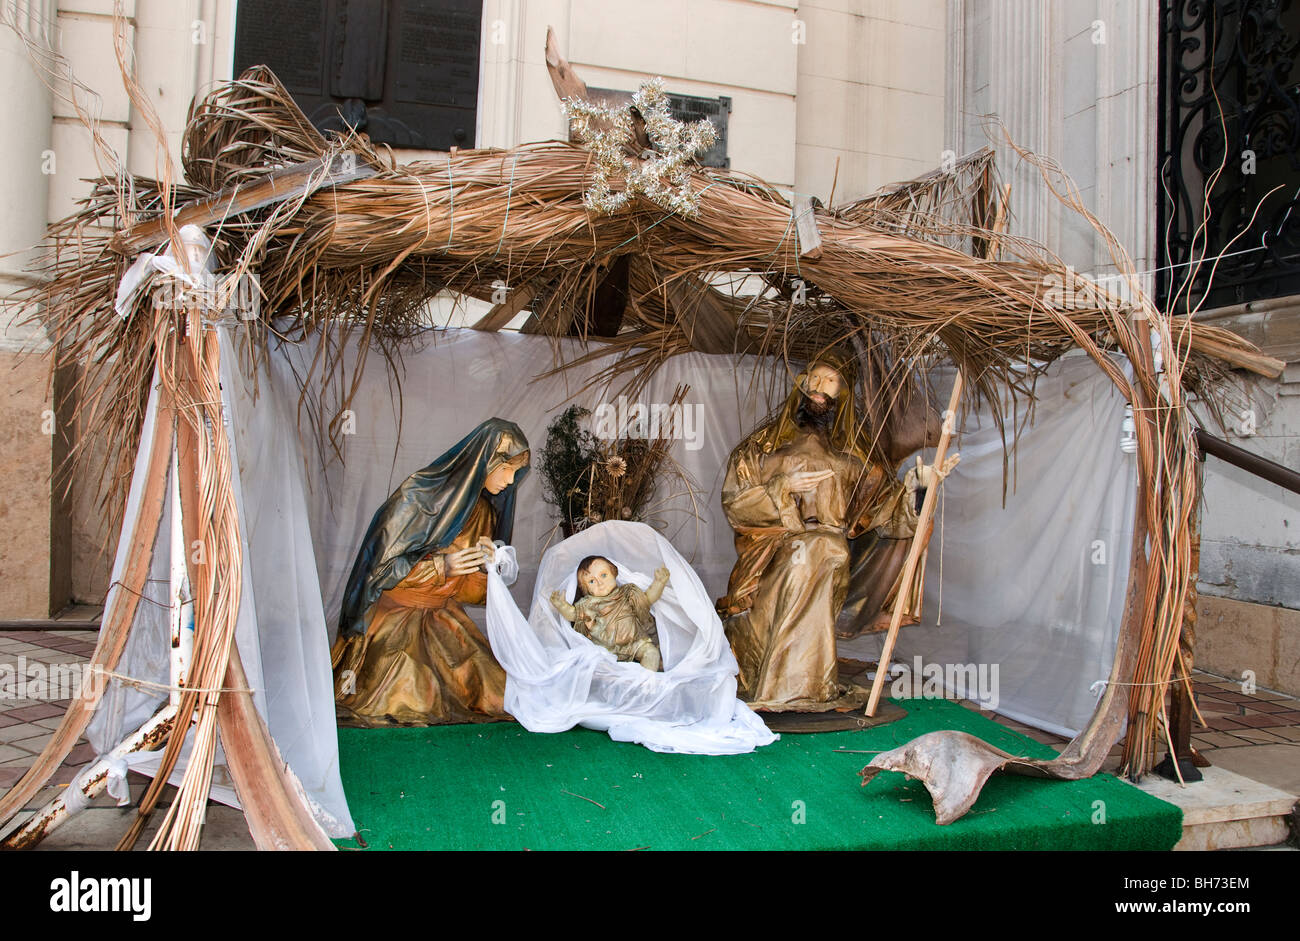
[[821, 519], [617, 617], [407, 653]]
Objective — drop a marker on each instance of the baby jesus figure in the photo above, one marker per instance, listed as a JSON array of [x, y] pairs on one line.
[[617, 617]]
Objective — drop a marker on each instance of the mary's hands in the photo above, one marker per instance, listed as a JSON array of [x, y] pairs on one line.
[[473, 559], [466, 561]]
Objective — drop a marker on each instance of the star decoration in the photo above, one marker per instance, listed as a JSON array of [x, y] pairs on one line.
[[662, 174]]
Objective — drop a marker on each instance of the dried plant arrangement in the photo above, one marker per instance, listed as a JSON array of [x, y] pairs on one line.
[[590, 477], [565, 466]]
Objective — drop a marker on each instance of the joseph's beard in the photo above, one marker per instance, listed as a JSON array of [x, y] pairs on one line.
[[814, 415]]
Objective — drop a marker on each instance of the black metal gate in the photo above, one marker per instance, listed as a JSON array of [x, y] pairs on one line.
[[1229, 131]]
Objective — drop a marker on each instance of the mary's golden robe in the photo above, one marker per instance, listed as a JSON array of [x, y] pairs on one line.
[[792, 575], [422, 660]]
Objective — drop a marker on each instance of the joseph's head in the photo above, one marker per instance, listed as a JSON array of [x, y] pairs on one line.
[[821, 385]]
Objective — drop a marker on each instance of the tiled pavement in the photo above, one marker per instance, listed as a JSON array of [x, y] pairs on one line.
[[1245, 724], [1233, 719], [26, 724]]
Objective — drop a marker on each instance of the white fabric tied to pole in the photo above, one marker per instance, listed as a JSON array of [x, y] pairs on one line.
[[556, 678], [199, 277], [116, 785]]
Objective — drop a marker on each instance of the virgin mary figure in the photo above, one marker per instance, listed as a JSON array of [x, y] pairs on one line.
[[407, 653]]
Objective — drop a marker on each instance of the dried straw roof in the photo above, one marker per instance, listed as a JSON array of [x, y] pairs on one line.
[[899, 272]]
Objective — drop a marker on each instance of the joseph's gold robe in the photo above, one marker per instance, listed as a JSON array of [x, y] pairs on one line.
[[792, 574]]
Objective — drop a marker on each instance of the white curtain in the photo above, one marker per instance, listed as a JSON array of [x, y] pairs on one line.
[[1023, 602], [280, 624], [1021, 587]]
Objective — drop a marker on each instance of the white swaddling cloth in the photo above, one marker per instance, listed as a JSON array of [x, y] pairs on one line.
[[556, 678]]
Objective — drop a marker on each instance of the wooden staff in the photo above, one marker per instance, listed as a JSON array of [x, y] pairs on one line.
[[918, 547]]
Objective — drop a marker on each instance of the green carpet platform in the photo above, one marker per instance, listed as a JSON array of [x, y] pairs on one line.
[[497, 786]]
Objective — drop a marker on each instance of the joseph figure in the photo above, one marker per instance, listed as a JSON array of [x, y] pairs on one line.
[[823, 526]]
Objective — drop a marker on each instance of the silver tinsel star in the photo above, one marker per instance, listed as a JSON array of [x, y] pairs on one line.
[[663, 174]]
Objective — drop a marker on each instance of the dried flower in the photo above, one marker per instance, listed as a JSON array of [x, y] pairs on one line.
[[616, 467]]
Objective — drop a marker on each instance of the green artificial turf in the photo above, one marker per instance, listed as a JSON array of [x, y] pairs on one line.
[[498, 786]]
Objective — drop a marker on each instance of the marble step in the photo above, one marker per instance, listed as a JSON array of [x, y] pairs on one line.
[[1226, 810]]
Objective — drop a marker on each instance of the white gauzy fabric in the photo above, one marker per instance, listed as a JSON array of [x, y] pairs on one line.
[[1023, 602], [200, 276], [556, 678], [280, 625]]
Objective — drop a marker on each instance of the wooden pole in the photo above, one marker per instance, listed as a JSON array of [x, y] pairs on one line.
[[1183, 706], [277, 186], [918, 546], [277, 814]]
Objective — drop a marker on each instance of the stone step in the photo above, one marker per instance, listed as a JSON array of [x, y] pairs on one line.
[[1226, 810]]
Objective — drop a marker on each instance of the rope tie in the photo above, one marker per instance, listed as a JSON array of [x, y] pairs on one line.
[[140, 684], [451, 205], [1099, 687], [510, 189]]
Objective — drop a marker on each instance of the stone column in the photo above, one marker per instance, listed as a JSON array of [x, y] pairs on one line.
[[1074, 82], [33, 554]]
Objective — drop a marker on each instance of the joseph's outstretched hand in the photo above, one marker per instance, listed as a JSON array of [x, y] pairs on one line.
[[927, 475]]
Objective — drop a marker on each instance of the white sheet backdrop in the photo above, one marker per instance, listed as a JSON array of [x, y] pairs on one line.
[[1021, 588], [1034, 590]]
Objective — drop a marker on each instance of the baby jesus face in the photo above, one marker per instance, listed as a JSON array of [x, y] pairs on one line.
[[599, 578]]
